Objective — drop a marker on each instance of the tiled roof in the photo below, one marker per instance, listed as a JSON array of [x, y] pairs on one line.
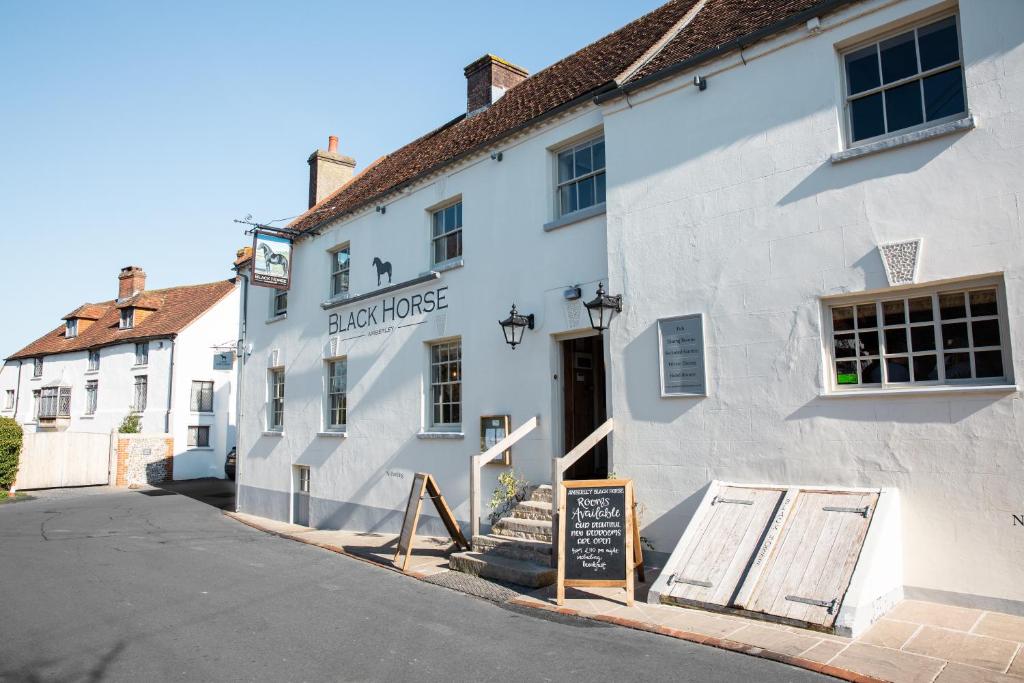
[[177, 307]]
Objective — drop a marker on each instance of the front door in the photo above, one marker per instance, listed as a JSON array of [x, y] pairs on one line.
[[584, 399], [300, 497]]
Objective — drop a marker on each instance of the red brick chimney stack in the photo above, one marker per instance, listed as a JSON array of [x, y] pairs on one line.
[[487, 79], [332, 143], [131, 281]]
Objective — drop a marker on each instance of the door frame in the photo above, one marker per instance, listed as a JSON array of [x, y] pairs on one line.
[[558, 389]]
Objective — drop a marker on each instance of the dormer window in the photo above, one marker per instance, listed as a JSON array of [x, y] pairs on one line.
[[127, 318], [71, 328]]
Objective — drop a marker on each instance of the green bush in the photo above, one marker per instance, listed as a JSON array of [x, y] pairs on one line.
[[10, 451], [130, 424], [511, 490]]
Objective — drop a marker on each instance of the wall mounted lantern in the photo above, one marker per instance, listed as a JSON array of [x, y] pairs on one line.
[[603, 308], [514, 325]]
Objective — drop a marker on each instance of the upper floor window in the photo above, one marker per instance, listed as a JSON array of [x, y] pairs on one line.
[[9, 400], [91, 390], [340, 263], [337, 394], [94, 359], [71, 328], [141, 393], [127, 318], [142, 353], [202, 397], [446, 384], [446, 234], [581, 176], [275, 408], [910, 80], [928, 336], [37, 367], [278, 302]]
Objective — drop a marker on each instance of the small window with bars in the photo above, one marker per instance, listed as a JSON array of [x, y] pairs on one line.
[[337, 399], [202, 397], [446, 385], [199, 436], [446, 239], [141, 391], [37, 367], [91, 389]]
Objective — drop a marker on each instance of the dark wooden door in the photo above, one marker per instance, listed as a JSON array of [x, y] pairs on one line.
[[584, 398]]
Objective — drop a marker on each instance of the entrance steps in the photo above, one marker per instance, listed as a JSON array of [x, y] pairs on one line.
[[518, 549]]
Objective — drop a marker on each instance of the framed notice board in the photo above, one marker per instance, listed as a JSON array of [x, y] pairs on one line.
[[494, 428], [598, 539], [681, 356]]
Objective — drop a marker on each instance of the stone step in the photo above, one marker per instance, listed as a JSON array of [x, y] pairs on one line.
[[506, 569], [534, 529], [541, 494], [514, 548], [532, 509]]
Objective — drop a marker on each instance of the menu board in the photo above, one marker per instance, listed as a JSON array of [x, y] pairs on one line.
[[595, 534], [681, 349]]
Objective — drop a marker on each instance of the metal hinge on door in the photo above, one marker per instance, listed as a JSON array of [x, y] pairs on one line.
[[736, 501], [829, 605], [860, 511], [693, 582]]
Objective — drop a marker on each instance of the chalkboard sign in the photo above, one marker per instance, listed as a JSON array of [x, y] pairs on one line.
[[423, 485], [597, 535]]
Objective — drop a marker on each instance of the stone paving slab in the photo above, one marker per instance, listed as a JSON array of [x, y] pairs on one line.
[[956, 646]]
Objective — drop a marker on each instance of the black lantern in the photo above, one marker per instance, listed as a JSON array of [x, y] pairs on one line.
[[514, 325], [603, 308]]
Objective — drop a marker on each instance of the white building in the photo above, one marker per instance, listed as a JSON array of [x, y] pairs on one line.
[[749, 171], [166, 355]]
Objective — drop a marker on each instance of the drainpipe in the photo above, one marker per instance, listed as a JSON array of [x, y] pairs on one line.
[[17, 390], [240, 349], [170, 393]]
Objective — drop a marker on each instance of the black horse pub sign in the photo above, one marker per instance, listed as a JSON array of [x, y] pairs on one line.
[[271, 260]]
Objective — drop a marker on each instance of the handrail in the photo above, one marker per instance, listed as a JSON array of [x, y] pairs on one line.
[[477, 462], [560, 465]]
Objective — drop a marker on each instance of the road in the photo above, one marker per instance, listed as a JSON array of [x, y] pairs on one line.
[[105, 585]]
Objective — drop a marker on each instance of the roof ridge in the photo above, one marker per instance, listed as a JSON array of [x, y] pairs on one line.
[[660, 44]]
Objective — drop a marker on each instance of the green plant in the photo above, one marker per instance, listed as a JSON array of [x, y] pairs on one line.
[[10, 451], [511, 489], [130, 424]]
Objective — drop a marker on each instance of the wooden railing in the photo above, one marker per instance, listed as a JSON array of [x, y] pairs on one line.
[[560, 465], [477, 462]]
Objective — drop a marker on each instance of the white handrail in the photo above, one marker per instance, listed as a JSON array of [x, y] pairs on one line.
[[477, 462], [560, 465]]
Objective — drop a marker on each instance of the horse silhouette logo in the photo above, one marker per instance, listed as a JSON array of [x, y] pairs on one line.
[[272, 258], [382, 268]]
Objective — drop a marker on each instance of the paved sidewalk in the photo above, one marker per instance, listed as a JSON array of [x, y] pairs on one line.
[[916, 642]]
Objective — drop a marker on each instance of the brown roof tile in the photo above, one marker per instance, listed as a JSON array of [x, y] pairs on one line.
[[177, 307]]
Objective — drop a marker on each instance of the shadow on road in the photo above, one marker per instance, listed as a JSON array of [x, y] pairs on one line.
[[218, 493]]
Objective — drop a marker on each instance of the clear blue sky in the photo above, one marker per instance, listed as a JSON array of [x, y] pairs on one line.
[[134, 132]]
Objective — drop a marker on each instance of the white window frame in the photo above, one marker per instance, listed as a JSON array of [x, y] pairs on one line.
[[94, 361], [140, 399], [37, 368], [336, 290], [445, 235], [576, 180], [36, 393], [932, 290], [92, 388], [9, 400], [193, 436], [876, 40], [330, 424], [198, 406], [276, 295], [141, 354], [435, 389], [127, 318], [275, 402], [71, 328]]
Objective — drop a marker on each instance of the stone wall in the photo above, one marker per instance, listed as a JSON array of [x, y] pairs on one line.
[[144, 459]]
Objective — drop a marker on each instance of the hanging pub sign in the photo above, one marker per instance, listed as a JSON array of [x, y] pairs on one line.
[[598, 537], [681, 356], [271, 260]]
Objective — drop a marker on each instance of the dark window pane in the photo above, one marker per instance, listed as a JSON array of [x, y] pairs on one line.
[[867, 316], [925, 368], [896, 341], [921, 310], [869, 343], [954, 336], [844, 346], [988, 363], [599, 179], [568, 199], [842, 318], [983, 303], [951, 306], [564, 166], [846, 372], [584, 162], [866, 117], [899, 57], [599, 156], [922, 338], [903, 106], [958, 365], [586, 193], [986, 332], [862, 70], [944, 94], [871, 371], [938, 43], [439, 251], [449, 219], [898, 369], [458, 215], [892, 313]]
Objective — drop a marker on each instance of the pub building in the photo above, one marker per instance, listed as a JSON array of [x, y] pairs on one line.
[[769, 267]]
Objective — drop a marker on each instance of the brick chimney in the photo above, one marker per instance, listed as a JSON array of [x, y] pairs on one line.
[[328, 171], [130, 282], [487, 79]]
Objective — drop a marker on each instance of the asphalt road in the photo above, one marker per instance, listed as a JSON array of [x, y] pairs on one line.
[[120, 586]]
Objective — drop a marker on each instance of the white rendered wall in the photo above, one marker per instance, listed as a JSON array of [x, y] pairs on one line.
[[724, 202]]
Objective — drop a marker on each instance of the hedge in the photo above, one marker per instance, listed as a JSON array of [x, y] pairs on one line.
[[10, 451]]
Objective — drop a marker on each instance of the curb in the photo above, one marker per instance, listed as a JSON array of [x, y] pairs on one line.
[[711, 641]]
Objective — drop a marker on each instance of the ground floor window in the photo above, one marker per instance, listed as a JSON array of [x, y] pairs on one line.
[[275, 393], [91, 388], [201, 400], [337, 394], [948, 335], [9, 400], [446, 384], [141, 393], [199, 436], [35, 404], [55, 402]]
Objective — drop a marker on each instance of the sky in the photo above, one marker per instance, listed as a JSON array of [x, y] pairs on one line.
[[133, 133]]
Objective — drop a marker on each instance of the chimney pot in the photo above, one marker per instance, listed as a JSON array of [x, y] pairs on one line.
[[328, 171], [130, 281], [332, 143], [487, 79]]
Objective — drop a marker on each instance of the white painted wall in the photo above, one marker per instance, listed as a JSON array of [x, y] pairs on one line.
[[724, 202]]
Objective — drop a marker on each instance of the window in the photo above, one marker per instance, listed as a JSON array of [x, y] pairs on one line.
[[275, 412], [71, 328], [446, 384], [278, 302], [142, 353], [55, 402], [94, 360], [141, 389], [35, 404], [91, 388], [337, 388], [446, 236], [9, 400], [37, 367], [907, 81], [581, 176], [303, 479], [929, 337], [202, 397], [127, 318], [199, 437], [340, 263]]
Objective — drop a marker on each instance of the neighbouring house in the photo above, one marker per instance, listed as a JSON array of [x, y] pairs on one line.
[[812, 213], [165, 355]]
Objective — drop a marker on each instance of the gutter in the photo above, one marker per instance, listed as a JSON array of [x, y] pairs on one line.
[[242, 329], [725, 48], [170, 394], [17, 390]]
